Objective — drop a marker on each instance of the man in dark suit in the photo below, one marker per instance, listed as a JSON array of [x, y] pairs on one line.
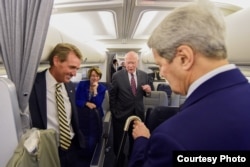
[[122, 66], [126, 100], [64, 60], [191, 54], [114, 67]]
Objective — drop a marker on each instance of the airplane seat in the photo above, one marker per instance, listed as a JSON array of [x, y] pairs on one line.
[[106, 84], [95, 129], [177, 100], [157, 98], [10, 120], [166, 88], [158, 115], [100, 149], [90, 124], [151, 80], [182, 99], [105, 103], [155, 84]]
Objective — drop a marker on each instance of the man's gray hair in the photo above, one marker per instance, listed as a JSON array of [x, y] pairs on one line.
[[198, 24]]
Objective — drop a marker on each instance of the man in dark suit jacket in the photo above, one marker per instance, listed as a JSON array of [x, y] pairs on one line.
[[65, 60], [113, 67], [123, 103], [215, 115], [122, 66]]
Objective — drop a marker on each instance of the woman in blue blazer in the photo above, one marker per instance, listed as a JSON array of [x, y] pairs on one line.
[[89, 97], [90, 93]]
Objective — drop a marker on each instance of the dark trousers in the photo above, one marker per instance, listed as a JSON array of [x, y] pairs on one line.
[[73, 157]]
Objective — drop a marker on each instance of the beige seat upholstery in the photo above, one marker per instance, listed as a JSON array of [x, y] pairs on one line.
[[177, 100], [105, 103], [157, 98], [99, 154]]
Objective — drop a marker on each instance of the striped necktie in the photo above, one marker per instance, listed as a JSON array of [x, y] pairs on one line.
[[64, 131], [133, 85]]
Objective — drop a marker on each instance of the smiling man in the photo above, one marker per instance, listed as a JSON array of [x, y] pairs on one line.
[[65, 60]]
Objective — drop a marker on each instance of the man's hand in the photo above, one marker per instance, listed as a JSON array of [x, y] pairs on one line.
[[139, 129], [146, 88]]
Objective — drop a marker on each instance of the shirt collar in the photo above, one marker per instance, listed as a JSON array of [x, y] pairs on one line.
[[51, 81], [209, 75]]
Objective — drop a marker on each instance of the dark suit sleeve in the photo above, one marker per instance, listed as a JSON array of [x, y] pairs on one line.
[[38, 103], [150, 81], [98, 99], [113, 94], [147, 81], [36, 116], [156, 151], [82, 94]]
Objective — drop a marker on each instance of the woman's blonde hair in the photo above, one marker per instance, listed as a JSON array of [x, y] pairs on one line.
[[97, 70]]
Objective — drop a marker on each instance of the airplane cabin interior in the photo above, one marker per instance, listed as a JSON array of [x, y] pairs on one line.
[[104, 30]]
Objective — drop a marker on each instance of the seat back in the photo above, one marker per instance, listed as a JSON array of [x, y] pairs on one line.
[[105, 103], [157, 98], [99, 153], [10, 120], [177, 100], [182, 99], [90, 124], [166, 88], [100, 150], [106, 84], [158, 115], [96, 130]]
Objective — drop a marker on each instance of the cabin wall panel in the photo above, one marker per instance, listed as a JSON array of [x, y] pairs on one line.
[[53, 37], [238, 37], [90, 54]]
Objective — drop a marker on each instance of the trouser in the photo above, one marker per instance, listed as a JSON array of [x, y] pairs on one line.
[[73, 157]]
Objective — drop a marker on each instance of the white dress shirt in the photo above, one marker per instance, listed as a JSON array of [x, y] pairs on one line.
[[52, 113]]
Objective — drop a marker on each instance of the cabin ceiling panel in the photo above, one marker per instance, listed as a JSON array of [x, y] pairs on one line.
[[129, 24], [86, 25]]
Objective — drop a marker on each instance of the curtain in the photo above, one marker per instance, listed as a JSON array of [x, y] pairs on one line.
[[23, 29]]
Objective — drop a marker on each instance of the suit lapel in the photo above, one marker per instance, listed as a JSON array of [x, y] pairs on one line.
[[126, 78], [69, 91]]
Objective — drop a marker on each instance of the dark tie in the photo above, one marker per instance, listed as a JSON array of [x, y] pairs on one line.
[[64, 131], [133, 85]]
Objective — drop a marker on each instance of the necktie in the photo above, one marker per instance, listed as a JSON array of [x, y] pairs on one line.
[[133, 85], [64, 131]]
